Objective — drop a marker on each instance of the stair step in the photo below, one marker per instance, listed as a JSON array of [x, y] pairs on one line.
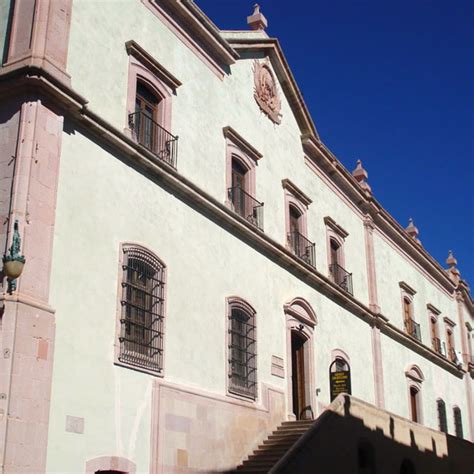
[[293, 428], [298, 423]]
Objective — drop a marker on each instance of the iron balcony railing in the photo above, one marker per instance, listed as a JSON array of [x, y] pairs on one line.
[[302, 248], [413, 328], [437, 345], [341, 277], [246, 206], [154, 137]]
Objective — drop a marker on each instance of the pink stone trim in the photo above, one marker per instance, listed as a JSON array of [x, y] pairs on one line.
[[304, 324], [370, 264], [340, 354], [39, 36], [378, 367], [237, 301], [110, 463], [186, 39], [415, 378], [118, 328], [239, 149], [138, 72], [449, 321], [331, 234]]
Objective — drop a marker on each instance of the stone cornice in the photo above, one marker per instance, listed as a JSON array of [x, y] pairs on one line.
[[75, 108], [197, 25], [449, 321], [243, 144], [297, 193], [331, 223], [135, 50], [324, 160], [407, 288], [433, 309]]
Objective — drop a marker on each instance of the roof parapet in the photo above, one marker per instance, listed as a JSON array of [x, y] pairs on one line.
[[257, 20]]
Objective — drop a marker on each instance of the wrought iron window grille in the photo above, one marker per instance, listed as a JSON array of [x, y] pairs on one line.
[[341, 277], [154, 137], [142, 301], [246, 206], [242, 353], [302, 247], [412, 328]]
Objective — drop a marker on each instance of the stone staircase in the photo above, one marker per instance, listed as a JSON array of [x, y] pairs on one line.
[[274, 447]]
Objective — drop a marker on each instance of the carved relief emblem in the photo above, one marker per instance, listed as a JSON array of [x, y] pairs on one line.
[[266, 92]]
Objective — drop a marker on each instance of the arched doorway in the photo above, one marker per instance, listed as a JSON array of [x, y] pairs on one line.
[[300, 323]]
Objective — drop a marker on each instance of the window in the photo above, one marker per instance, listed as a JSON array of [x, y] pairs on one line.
[[150, 91], [457, 422], [412, 328], [450, 345], [436, 343], [240, 178], [242, 349], [415, 379], [414, 394], [335, 241], [142, 309], [442, 420], [296, 207]]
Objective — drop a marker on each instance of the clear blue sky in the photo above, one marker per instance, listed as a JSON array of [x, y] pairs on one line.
[[391, 83]]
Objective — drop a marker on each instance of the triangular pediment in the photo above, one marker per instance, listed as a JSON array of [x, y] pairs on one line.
[[271, 49]]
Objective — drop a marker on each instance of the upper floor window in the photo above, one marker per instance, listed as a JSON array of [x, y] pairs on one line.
[[336, 260], [414, 404], [242, 348], [457, 422], [150, 91], [241, 165], [142, 309], [296, 207], [442, 420], [411, 326], [434, 329]]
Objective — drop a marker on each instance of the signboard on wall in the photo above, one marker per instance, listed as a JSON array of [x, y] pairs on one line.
[[339, 379]]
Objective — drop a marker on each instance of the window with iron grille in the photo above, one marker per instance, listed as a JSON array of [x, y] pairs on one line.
[[142, 309], [457, 422], [442, 420], [242, 350]]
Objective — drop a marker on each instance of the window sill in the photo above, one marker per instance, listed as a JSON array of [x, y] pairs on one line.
[[137, 368]]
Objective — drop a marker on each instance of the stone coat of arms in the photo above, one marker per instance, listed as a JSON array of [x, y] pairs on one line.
[[266, 92]]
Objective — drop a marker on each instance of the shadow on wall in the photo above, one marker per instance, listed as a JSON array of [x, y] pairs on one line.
[[357, 438]]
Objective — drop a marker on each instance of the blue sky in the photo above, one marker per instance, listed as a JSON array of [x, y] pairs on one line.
[[390, 83]]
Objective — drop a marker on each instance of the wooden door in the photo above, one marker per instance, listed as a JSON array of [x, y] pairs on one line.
[[298, 373], [238, 187], [414, 404]]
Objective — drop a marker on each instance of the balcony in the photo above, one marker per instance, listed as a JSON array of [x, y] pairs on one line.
[[154, 137], [437, 345], [302, 248], [341, 277], [412, 328], [246, 206]]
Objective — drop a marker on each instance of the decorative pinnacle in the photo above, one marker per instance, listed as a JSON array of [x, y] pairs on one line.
[[361, 175], [451, 260], [412, 230], [257, 21]]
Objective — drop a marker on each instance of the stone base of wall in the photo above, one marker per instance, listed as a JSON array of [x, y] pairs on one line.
[[194, 431]]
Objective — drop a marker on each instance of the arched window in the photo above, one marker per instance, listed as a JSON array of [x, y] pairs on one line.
[[415, 379], [457, 422], [442, 420], [365, 458], [142, 309], [242, 348]]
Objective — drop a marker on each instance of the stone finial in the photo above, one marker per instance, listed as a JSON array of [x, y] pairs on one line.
[[257, 21], [451, 260], [361, 175], [412, 230], [453, 272]]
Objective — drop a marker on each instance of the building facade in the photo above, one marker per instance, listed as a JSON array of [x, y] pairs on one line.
[[196, 261]]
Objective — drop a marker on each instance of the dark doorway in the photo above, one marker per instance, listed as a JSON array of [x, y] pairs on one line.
[[298, 371]]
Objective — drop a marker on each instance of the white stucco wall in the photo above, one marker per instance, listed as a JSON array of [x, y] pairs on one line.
[[102, 202]]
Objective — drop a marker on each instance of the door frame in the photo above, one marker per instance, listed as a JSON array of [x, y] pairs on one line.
[[301, 318]]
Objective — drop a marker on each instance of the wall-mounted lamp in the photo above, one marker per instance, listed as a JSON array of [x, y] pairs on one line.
[[13, 261]]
